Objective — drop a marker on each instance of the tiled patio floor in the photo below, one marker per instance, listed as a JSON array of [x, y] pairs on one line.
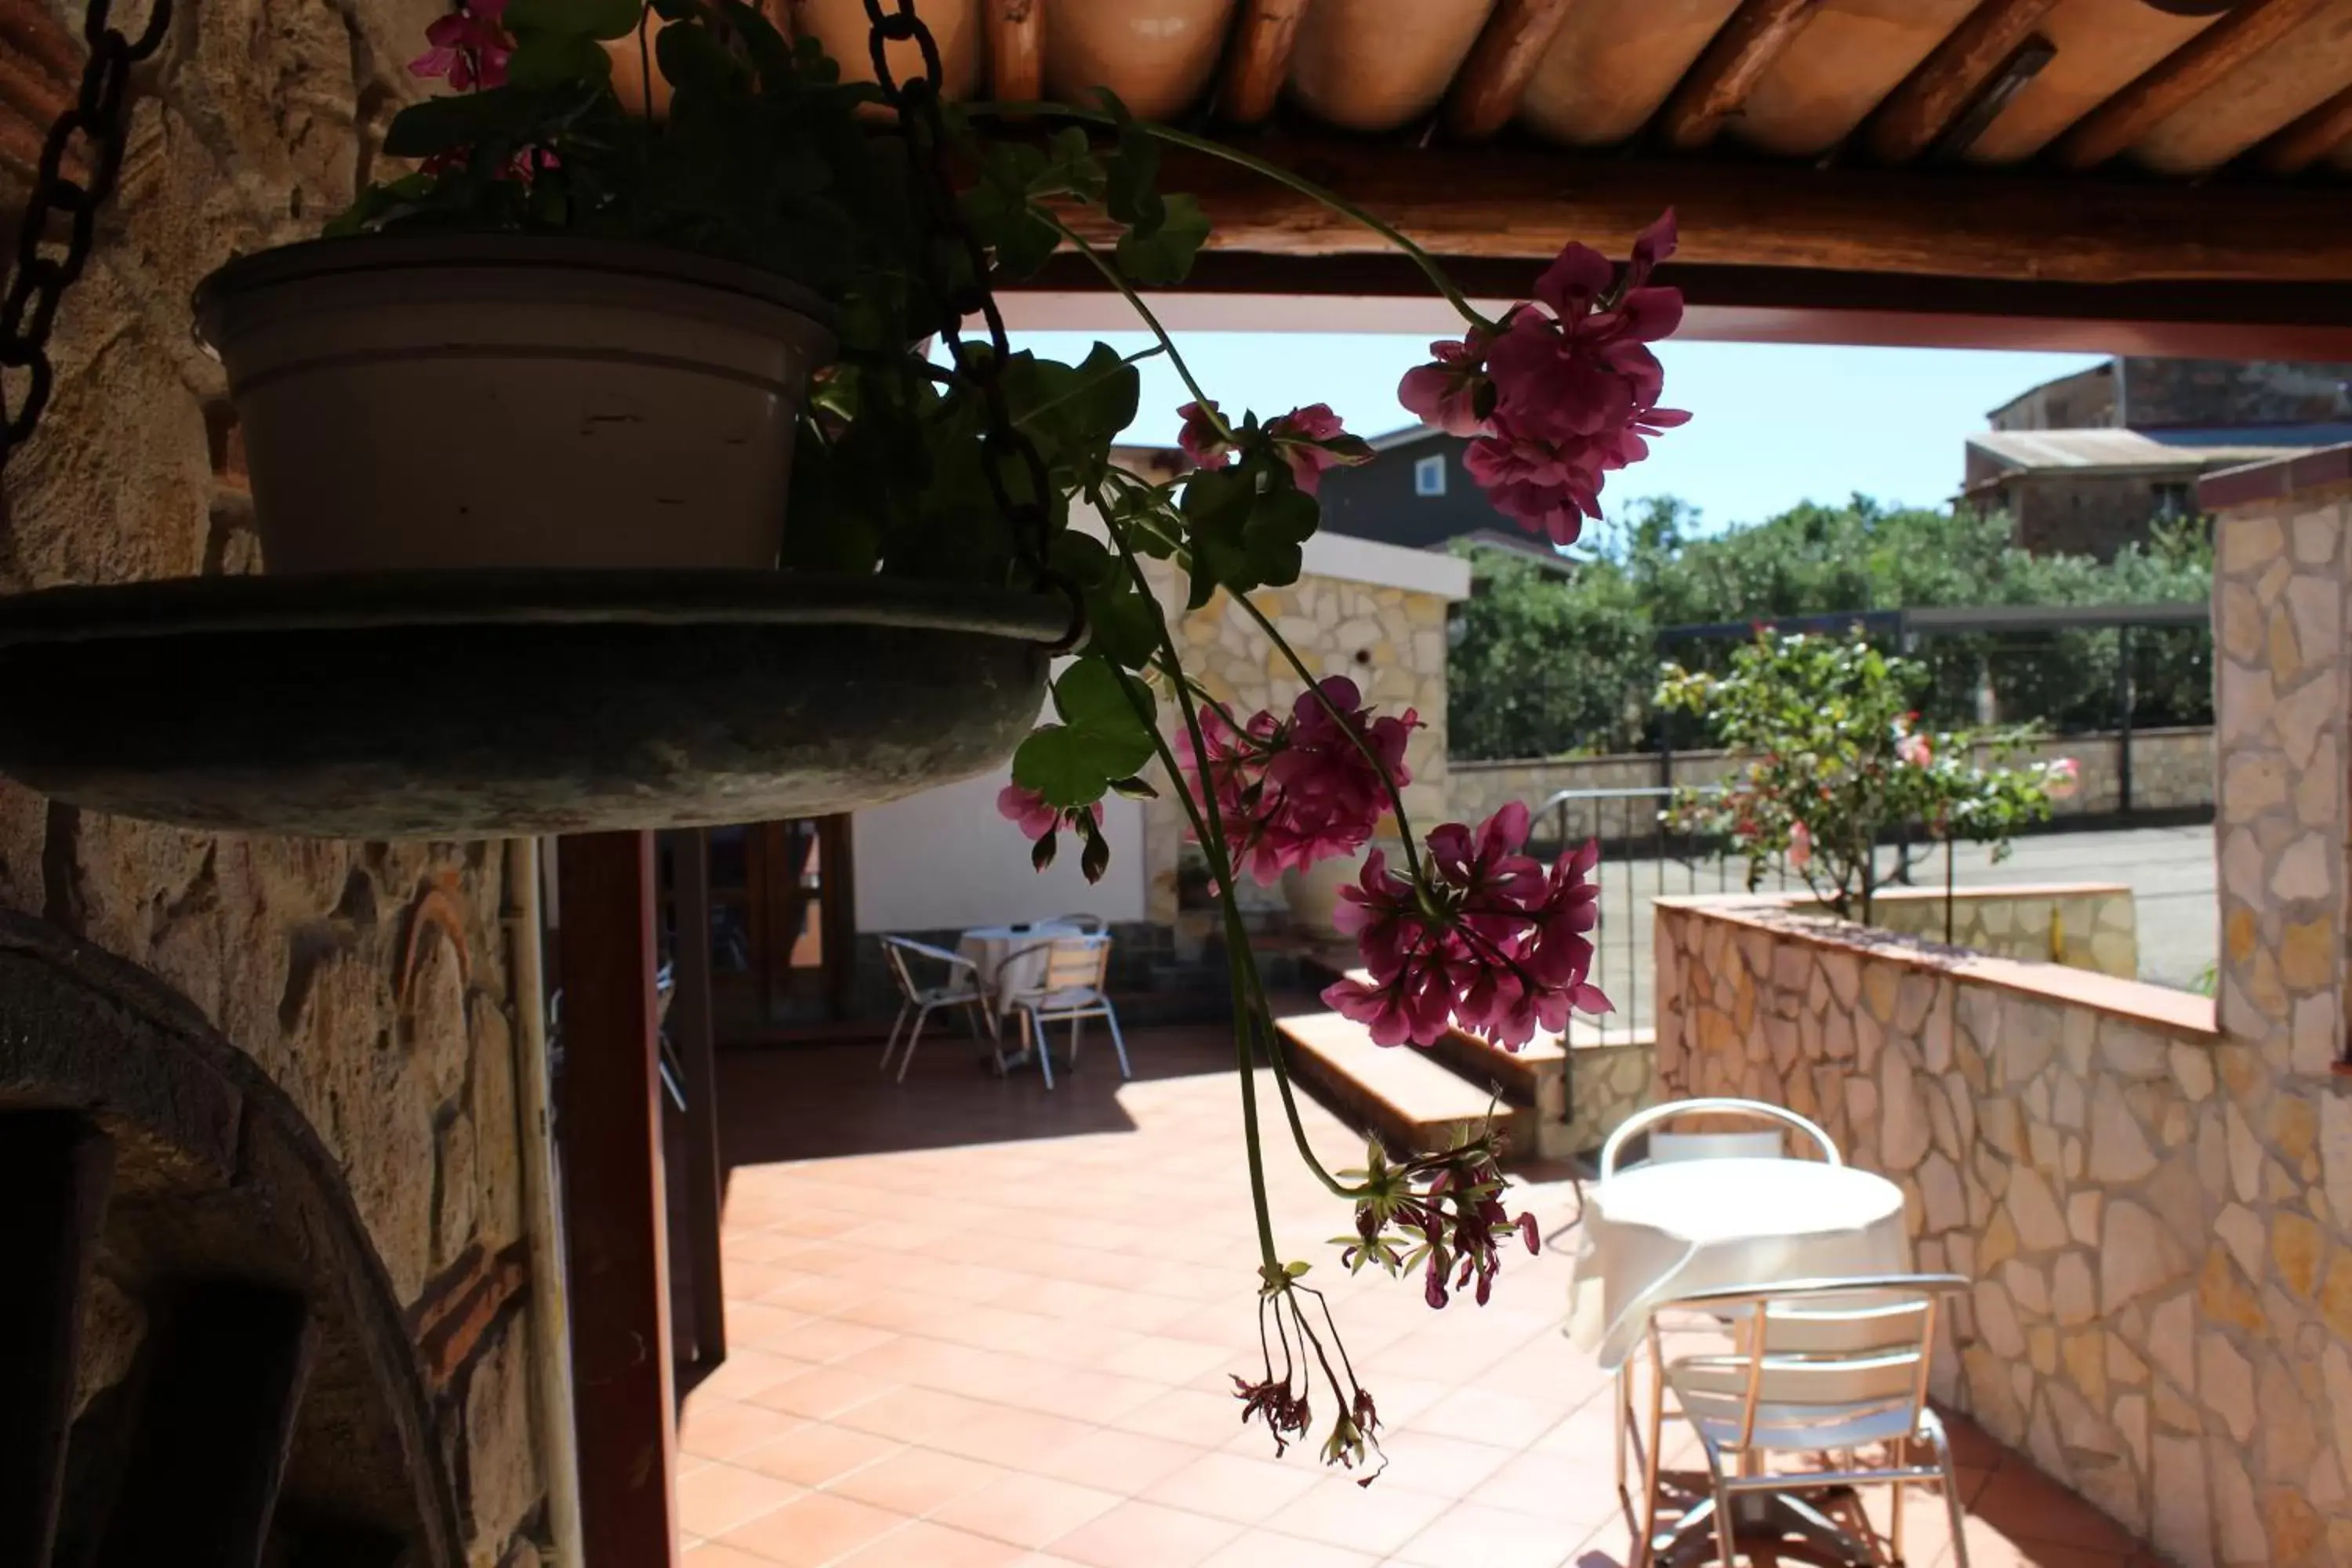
[[974, 1325]]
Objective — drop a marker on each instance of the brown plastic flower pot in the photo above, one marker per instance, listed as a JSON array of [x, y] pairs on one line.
[[422, 401]]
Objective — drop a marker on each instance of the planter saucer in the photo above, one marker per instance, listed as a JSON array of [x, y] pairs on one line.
[[486, 704]]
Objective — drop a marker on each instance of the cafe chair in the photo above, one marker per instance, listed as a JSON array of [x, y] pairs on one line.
[[1821, 1370], [1070, 987], [960, 987]]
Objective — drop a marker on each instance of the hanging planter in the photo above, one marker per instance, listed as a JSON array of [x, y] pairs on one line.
[[464, 400]]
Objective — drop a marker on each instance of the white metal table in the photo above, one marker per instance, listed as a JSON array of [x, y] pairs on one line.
[[1654, 1233]]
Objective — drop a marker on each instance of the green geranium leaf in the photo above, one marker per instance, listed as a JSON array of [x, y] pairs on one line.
[[1073, 763], [505, 116], [690, 58], [1085, 560], [1163, 253], [1282, 521], [1121, 626], [557, 60]]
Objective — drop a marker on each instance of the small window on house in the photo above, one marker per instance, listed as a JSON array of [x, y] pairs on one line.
[[2175, 500], [1428, 475]]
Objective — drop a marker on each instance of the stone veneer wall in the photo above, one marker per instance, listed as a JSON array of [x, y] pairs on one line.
[[2085, 925], [2172, 770], [2156, 1212], [368, 980], [1390, 641]]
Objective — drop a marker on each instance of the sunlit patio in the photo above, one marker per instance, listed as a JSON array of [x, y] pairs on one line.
[[975, 1324]]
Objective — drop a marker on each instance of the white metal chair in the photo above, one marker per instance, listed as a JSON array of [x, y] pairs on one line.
[[962, 988], [1068, 988], [1819, 1367], [1663, 1147]]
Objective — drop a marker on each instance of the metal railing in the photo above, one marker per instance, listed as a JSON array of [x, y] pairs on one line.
[[1642, 859]]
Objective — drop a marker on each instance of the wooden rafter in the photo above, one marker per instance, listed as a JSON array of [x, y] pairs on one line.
[[1496, 203], [1487, 91], [1258, 61], [2173, 82], [1968, 59], [1723, 75], [1016, 50], [2309, 138]]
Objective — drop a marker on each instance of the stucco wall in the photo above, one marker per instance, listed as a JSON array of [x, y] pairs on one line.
[[367, 979], [2172, 770]]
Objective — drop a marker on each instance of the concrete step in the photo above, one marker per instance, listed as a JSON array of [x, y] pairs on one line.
[[1397, 1093]]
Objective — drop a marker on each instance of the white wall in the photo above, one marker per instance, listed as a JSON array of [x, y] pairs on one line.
[[944, 859]]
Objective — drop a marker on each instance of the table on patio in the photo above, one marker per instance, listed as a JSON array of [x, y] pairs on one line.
[[1656, 1233], [1009, 959]]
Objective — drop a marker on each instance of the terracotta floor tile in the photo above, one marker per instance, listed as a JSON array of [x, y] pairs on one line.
[[1379, 1518], [1455, 1467], [1489, 1537], [721, 1428], [915, 1414], [813, 1529], [923, 1545], [719, 1554], [916, 1480], [1231, 1486], [1264, 1549], [818, 1453], [1128, 1463], [1145, 1535], [1026, 1511], [824, 1392], [984, 1271], [714, 1499]]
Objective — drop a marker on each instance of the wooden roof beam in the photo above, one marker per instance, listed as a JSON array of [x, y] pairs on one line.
[[2169, 85], [2311, 137], [1506, 202], [1016, 50], [1969, 59], [1258, 60], [1486, 92], [1727, 70]]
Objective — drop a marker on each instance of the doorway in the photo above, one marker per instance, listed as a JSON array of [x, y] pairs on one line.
[[782, 923]]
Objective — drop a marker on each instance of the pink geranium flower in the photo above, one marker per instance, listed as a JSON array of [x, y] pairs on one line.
[[1567, 393], [1488, 941], [470, 47], [1801, 847], [1914, 750], [1290, 792], [1200, 439], [1043, 823], [1452, 392], [1312, 440]]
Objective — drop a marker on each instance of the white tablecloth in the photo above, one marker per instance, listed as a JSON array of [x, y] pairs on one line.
[[989, 946], [1658, 1232]]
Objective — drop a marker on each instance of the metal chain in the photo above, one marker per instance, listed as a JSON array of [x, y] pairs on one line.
[[932, 182], [30, 309]]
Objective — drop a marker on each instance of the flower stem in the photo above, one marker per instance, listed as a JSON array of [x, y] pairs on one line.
[[1249, 990], [1112, 276]]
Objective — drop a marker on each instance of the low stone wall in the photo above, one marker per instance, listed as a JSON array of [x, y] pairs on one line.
[[2172, 770], [2084, 925], [2156, 1217], [1606, 1084]]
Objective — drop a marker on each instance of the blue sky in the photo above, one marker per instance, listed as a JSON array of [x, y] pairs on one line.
[[1772, 425]]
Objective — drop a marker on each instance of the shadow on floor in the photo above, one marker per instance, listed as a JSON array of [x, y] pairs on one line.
[[826, 1101]]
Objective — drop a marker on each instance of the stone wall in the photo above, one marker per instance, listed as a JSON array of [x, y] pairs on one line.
[[2155, 1206], [2084, 925], [1390, 641], [368, 980], [2172, 770]]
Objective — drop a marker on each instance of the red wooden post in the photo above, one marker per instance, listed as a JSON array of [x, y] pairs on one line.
[[608, 1122]]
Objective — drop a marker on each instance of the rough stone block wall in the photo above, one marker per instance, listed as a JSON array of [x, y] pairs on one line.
[[367, 979], [2083, 925], [2068, 514], [2155, 1212]]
